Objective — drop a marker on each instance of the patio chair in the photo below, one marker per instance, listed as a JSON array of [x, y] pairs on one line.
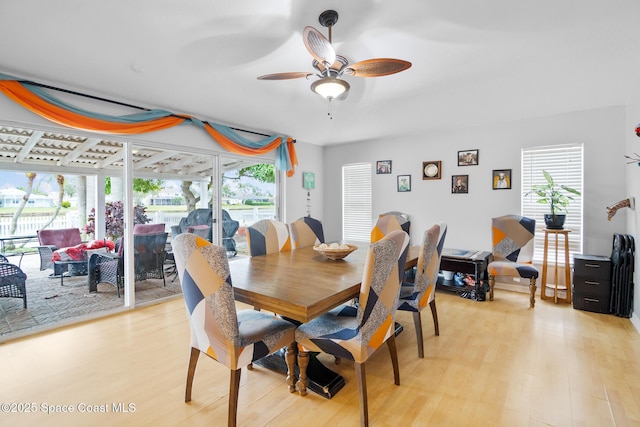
[[229, 229], [50, 240], [201, 216], [149, 254], [12, 281]]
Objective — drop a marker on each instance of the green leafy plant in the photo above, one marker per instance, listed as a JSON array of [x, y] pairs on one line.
[[557, 196], [114, 219]]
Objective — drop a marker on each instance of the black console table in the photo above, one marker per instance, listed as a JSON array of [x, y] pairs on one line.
[[468, 262]]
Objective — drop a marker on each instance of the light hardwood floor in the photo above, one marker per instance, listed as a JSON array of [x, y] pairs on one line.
[[494, 364]]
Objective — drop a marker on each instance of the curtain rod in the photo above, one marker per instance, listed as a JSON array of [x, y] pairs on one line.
[[124, 104]]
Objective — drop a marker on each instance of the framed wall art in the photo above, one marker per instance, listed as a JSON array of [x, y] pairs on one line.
[[383, 166], [460, 184], [308, 180], [468, 157], [501, 179], [404, 183], [432, 169]]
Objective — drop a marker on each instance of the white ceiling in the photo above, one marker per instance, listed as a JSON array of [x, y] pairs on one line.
[[474, 62]]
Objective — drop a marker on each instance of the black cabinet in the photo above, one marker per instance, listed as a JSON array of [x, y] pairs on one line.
[[592, 283]]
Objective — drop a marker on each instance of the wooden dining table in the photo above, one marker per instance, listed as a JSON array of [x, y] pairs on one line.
[[302, 284]]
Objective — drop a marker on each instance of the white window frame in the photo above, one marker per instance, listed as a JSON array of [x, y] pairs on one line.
[[357, 201], [565, 163]]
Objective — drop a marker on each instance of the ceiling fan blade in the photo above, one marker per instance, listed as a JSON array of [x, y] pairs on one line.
[[318, 46], [285, 76], [377, 67]]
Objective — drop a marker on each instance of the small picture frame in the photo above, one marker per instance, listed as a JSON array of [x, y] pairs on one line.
[[308, 180], [432, 169], [460, 184], [468, 157], [404, 183], [383, 166], [501, 179]]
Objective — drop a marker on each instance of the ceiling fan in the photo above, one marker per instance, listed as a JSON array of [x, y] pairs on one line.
[[331, 67]]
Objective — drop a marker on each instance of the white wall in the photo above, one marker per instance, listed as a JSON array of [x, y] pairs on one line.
[[602, 131], [310, 159], [633, 189]]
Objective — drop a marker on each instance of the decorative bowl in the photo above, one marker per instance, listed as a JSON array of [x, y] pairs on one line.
[[335, 253]]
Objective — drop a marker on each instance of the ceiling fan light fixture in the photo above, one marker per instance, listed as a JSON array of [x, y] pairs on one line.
[[330, 87]]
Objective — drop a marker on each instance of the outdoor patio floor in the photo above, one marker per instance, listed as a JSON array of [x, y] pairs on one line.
[[49, 304]]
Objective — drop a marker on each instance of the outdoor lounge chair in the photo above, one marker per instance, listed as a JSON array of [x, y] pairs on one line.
[[148, 259], [50, 240], [12, 281]]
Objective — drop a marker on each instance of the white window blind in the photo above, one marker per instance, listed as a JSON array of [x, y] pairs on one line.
[[356, 201], [565, 164]]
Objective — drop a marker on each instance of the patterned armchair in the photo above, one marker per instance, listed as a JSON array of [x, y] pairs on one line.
[[234, 339], [415, 297], [306, 231], [513, 251], [357, 338], [148, 259], [268, 236], [12, 281]]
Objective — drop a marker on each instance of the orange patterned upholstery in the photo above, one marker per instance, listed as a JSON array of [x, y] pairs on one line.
[[268, 236], [235, 339], [306, 231], [416, 296], [357, 338], [513, 251]]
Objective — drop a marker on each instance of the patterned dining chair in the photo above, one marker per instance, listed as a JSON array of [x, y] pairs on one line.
[[403, 220], [357, 338], [306, 231], [385, 224], [268, 236], [415, 297], [232, 338], [513, 242]]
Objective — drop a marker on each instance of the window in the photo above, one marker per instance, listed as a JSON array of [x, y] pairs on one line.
[[564, 164], [356, 202]]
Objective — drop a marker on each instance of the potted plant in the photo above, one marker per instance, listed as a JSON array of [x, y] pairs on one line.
[[557, 196]]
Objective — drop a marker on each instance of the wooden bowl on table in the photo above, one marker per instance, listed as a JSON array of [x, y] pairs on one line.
[[335, 251]]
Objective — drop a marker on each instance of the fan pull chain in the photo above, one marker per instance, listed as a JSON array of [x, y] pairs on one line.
[[329, 110]]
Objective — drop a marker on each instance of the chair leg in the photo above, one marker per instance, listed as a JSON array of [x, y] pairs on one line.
[[417, 321], [362, 391], [393, 352], [434, 314], [291, 366], [303, 381], [234, 388], [532, 289], [492, 282], [193, 360]]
